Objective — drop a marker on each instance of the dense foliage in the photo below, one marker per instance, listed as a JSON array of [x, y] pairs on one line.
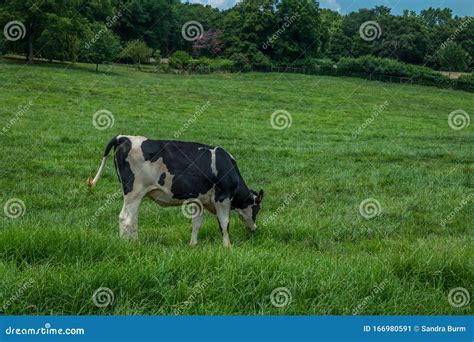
[[253, 34]]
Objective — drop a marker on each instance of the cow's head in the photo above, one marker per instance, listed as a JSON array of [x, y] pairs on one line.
[[248, 215]]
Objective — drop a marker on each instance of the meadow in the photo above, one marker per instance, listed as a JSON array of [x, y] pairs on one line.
[[350, 140]]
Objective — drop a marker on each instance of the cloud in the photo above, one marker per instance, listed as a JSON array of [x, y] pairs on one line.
[[334, 5], [221, 4]]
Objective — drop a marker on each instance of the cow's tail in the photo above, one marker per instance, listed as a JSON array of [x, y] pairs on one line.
[[112, 143]]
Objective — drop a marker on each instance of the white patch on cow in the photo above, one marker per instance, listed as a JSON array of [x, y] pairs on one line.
[[246, 217], [213, 161]]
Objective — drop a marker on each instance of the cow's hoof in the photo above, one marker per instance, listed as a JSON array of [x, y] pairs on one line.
[[227, 244], [193, 243]]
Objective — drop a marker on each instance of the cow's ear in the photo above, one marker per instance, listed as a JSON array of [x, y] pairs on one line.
[[260, 195]]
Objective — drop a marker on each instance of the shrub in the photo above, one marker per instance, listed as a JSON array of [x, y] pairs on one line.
[[180, 60], [241, 62], [465, 82], [260, 62], [222, 64], [369, 65]]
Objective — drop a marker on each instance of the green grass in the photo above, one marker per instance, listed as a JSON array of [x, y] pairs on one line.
[[331, 259]]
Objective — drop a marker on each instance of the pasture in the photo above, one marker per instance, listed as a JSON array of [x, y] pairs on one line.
[[349, 140]]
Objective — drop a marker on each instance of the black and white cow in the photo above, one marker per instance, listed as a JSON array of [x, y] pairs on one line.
[[174, 172]]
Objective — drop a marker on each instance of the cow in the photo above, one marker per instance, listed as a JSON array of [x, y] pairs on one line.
[[174, 173]]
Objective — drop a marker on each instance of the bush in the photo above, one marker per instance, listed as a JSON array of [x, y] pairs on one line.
[[369, 65], [260, 61], [326, 65], [180, 60], [465, 82], [222, 64], [241, 62]]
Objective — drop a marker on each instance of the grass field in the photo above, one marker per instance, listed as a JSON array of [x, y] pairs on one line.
[[350, 140]]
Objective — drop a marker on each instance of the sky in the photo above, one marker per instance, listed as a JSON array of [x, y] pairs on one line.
[[459, 7]]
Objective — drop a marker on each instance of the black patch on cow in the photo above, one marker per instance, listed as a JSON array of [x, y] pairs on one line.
[[161, 181], [189, 163], [124, 171]]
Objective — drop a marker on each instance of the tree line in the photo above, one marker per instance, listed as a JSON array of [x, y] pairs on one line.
[[252, 34]]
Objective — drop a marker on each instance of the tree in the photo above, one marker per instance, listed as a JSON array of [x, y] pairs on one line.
[[138, 51], [100, 45], [208, 45], [453, 58], [248, 27], [300, 32], [153, 21]]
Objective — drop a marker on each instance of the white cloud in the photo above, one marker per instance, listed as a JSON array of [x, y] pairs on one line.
[[221, 4], [334, 5]]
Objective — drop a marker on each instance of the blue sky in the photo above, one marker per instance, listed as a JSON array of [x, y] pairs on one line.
[[459, 7]]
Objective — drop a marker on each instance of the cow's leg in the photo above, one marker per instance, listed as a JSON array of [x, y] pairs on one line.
[[197, 221], [223, 215], [128, 218]]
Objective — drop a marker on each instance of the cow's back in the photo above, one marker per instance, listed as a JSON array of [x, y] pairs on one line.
[[196, 169]]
